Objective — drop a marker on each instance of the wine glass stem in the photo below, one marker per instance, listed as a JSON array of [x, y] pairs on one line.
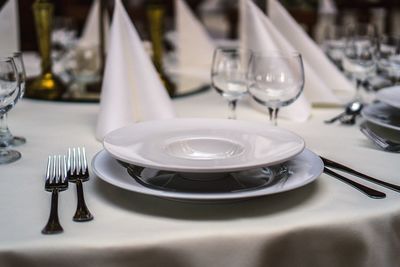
[[232, 106], [273, 115], [5, 134]]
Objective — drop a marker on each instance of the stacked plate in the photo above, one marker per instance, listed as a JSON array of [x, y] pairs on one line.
[[205, 159], [383, 116]]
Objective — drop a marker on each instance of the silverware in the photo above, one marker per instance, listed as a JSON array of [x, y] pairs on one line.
[[380, 141], [352, 109], [336, 165], [362, 188], [78, 173], [56, 181]]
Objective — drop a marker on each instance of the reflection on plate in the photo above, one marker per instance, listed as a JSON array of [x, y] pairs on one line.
[[390, 96], [304, 169], [202, 145], [383, 115], [218, 183]]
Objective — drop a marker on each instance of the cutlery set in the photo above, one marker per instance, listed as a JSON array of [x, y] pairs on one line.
[[364, 189], [59, 172]]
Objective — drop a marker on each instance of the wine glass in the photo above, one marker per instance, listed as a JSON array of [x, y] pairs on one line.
[[228, 74], [9, 94], [360, 53], [333, 43], [275, 79], [389, 57], [19, 63]]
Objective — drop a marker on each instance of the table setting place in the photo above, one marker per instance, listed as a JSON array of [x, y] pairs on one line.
[[282, 140]]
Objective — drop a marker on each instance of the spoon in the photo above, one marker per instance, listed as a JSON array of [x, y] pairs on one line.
[[352, 109]]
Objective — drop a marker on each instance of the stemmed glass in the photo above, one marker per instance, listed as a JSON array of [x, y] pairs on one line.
[[333, 43], [6, 138], [228, 74], [9, 94], [360, 53], [389, 57], [275, 79]]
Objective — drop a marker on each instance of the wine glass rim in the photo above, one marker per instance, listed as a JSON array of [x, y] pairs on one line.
[[228, 49], [277, 53]]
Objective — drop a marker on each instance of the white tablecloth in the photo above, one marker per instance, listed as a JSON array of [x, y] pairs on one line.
[[326, 223]]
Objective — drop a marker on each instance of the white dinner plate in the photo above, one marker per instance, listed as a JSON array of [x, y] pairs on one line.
[[202, 145], [390, 96], [383, 115], [304, 169]]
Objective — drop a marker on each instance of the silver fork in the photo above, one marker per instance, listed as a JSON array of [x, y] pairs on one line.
[[56, 181], [78, 173], [381, 142]]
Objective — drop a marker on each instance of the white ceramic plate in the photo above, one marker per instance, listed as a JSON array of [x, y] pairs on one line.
[[390, 96], [305, 168], [202, 145], [383, 115]]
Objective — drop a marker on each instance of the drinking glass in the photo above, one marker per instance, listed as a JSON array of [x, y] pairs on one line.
[[7, 138], [333, 43], [389, 58], [360, 53], [228, 74], [275, 79], [9, 94]]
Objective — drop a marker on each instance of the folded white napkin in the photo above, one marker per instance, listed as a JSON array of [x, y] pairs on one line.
[[91, 30], [258, 34], [195, 46], [9, 28], [132, 90], [311, 52]]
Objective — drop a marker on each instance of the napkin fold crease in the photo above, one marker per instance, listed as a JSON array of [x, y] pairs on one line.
[[132, 90]]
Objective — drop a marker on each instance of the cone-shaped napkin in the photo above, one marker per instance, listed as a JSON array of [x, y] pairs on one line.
[[91, 30], [258, 34], [9, 28], [195, 47], [132, 90], [310, 51]]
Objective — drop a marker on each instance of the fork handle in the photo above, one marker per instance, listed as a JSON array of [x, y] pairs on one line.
[[82, 213], [53, 225]]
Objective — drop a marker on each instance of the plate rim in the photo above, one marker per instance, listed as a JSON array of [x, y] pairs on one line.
[[388, 101], [213, 169], [136, 187], [377, 121]]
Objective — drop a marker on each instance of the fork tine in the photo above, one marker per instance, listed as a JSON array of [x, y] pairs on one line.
[[59, 169], [69, 159], [53, 173], [48, 169], [84, 160], [79, 161], [64, 177]]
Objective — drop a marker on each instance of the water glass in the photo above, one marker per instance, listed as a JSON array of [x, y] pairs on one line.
[[9, 94], [228, 74], [389, 58], [276, 79], [360, 53]]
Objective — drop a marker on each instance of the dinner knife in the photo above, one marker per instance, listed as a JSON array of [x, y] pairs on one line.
[[372, 193], [336, 165]]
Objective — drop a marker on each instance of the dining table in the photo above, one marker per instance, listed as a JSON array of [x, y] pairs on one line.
[[324, 223]]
